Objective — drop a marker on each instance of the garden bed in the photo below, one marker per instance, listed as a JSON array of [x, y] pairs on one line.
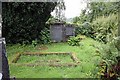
[[54, 59]]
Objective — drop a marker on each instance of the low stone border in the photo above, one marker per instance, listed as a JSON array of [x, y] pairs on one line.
[[72, 55], [17, 56], [50, 64]]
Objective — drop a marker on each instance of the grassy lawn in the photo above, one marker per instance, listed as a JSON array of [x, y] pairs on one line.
[[45, 58], [86, 54]]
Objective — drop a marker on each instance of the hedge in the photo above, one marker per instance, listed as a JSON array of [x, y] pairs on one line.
[[23, 21]]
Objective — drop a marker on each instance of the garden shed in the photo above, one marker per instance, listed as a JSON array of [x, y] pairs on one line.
[[70, 30], [61, 32]]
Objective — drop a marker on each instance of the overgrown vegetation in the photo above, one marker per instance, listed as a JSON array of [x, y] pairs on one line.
[[25, 23], [106, 28], [110, 64], [103, 18]]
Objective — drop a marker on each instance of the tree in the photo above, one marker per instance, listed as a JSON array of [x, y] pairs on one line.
[[59, 11], [102, 9], [23, 22], [76, 19]]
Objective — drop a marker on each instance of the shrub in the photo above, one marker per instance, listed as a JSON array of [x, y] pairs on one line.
[[85, 29], [78, 30], [101, 29], [111, 59], [105, 28], [45, 35], [74, 41], [34, 43]]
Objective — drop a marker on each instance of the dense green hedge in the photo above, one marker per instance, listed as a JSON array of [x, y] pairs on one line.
[[23, 22]]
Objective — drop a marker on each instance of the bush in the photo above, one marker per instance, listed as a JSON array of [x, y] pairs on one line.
[[110, 66], [78, 30], [34, 43], [85, 29], [45, 35], [105, 28], [101, 29], [74, 41]]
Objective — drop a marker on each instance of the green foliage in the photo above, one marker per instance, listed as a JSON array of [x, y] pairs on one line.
[[23, 22], [105, 28], [74, 41], [75, 19], [110, 56], [109, 52], [78, 29], [34, 42], [53, 20], [85, 29], [84, 53], [82, 18], [45, 35], [103, 20], [101, 9]]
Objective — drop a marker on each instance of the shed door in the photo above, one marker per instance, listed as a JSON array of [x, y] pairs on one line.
[[70, 31], [57, 33]]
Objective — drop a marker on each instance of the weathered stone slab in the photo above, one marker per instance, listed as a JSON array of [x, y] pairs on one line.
[[4, 67]]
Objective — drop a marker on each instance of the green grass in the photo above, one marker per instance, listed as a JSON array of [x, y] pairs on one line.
[[45, 58], [86, 54]]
